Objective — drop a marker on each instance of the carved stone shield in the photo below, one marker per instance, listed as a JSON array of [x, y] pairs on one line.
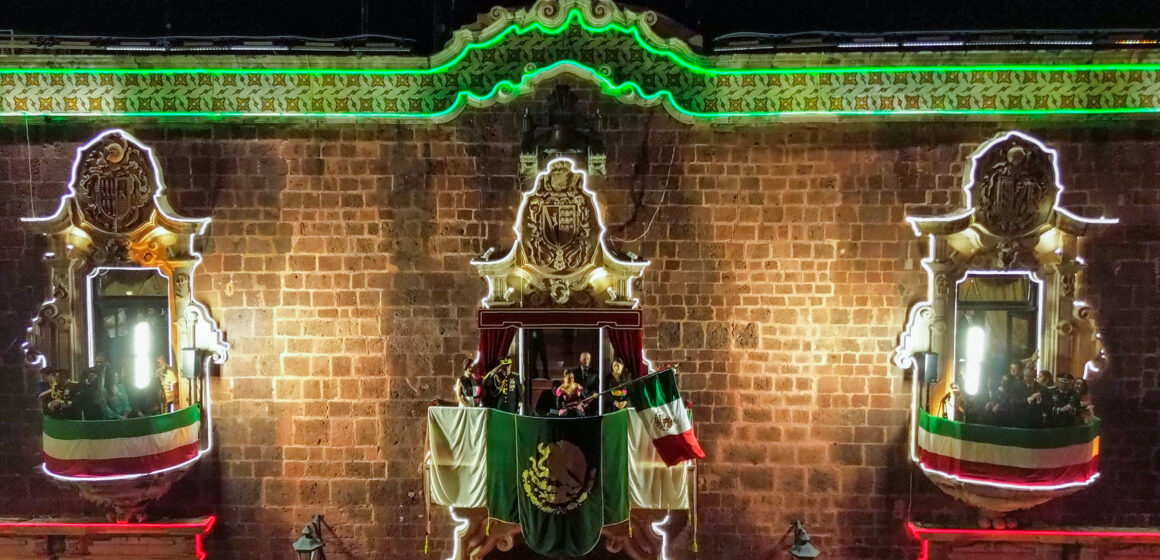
[[559, 230], [113, 185], [1014, 187]]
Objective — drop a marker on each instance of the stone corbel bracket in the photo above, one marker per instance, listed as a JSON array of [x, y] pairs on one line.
[[477, 535]]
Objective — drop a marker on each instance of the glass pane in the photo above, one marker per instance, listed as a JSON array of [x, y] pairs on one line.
[[130, 322], [996, 328]]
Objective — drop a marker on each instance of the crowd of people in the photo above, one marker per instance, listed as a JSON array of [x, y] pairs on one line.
[[101, 394], [1024, 398], [574, 394]]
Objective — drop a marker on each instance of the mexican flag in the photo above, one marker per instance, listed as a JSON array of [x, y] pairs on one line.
[[1027, 457], [96, 448], [663, 413], [561, 479]]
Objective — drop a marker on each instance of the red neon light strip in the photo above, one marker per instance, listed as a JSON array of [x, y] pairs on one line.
[[205, 526], [919, 531]]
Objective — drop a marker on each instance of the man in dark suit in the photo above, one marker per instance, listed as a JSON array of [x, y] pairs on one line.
[[586, 375]]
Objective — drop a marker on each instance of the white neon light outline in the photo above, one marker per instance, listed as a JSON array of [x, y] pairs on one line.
[[1009, 486], [607, 254], [218, 354], [158, 196], [969, 184], [903, 356], [663, 534], [457, 531]]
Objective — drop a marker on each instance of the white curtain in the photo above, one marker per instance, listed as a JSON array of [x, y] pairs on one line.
[[458, 439], [651, 483]]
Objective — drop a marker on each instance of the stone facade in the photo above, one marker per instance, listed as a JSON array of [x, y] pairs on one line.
[[337, 263]]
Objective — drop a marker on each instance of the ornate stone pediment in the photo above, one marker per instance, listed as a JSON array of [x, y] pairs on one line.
[[561, 257], [116, 215], [114, 184], [1014, 187], [559, 232], [1012, 190]]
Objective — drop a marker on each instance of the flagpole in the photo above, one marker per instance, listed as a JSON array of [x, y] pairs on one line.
[[625, 384]]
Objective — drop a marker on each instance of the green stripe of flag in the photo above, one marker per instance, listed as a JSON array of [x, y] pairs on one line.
[[58, 428], [659, 390], [614, 466], [1035, 438]]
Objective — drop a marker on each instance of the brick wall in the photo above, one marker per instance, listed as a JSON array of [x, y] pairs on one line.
[[782, 271]]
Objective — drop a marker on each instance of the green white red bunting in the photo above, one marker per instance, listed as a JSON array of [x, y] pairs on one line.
[[95, 448], [663, 413], [1035, 458]]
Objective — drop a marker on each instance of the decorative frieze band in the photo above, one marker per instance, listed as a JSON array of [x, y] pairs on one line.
[[614, 48]]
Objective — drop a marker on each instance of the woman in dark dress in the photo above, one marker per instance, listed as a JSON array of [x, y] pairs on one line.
[[618, 397], [467, 390]]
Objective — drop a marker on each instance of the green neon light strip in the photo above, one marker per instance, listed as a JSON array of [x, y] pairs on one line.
[[606, 84], [610, 88]]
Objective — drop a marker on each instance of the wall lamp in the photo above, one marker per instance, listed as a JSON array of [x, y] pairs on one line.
[[801, 549], [309, 546]]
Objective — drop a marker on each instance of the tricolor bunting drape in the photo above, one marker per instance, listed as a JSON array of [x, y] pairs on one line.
[[1026, 457], [121, 447]]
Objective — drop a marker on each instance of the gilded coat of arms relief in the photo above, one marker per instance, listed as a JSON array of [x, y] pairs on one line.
[[1015, 190], [113, 186], [560, 229]]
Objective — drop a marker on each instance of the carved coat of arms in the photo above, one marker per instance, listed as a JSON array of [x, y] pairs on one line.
[[1014, 188], [560, 229], [113, 186]]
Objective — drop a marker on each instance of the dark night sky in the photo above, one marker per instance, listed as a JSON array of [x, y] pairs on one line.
[[414, 18]]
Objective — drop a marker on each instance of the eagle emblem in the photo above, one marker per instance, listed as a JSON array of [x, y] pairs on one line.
[[663, 422], [559, 479]]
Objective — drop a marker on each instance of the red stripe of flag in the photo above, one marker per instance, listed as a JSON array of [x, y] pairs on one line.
[[987, 472], [676, 448], [122, 465]]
